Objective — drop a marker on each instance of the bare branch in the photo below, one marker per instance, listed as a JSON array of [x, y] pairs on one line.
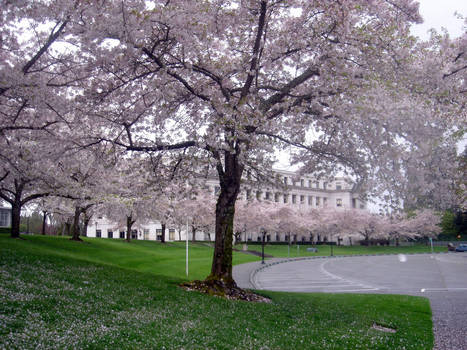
[[53, 36]]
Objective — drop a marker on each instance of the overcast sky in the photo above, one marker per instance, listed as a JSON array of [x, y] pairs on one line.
[[438, 14]]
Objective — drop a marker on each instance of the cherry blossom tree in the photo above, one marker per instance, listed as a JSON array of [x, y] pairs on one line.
[[367, 225], [425, 223], [247, 88], [33, 72], [26, 174], [129, 194], [253, 217], [199, 211]]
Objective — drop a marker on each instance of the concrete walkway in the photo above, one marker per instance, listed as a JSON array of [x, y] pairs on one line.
[[442, 278]]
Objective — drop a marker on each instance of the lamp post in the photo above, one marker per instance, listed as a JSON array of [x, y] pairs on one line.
[[186, 245], [263, 234], [330, 242]]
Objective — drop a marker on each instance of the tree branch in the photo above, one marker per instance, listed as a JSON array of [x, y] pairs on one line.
[[254, 60], [34, 196], [175, 75], [276, 98], [53, 36]]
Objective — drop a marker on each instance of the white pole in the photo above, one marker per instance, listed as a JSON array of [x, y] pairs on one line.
[[186, 248]]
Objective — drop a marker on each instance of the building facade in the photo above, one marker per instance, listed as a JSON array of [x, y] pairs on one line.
[[101, 227], [298, 191], [302, 191]]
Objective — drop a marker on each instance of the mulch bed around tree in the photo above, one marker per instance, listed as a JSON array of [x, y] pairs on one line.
[[221, 289]]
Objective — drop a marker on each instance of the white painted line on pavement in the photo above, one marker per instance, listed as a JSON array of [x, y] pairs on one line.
[[423, 290], [323, 270]]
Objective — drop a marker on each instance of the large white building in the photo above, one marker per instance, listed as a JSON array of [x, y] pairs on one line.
[[301, 192]]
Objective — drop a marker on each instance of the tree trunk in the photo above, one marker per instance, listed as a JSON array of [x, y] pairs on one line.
[[84, 229], [129, 224], [15, 218], [163, 232], [76, 231], [225, 210], [67, 227], [44, 222], [193, 233]]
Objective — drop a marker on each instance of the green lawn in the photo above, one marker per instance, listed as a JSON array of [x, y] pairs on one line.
[[282, 251], [55, 293]]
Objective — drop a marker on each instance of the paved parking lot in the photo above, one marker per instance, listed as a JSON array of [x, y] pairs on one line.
[[440, 277]]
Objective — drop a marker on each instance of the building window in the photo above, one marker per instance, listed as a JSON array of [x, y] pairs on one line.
[[216, 190], [172, 234], [354, 203], [4, 218], [316, 184], [159, 234], [302, 199], [276, 197], [309, 183], [98, 233], [122, 234], [325, 202], [325, 185], [294, 198], [278, 237], [318, 202], [268, 195], [285, 180], [338, 186], [258, 195], [302, 183], [110, 234], [146, 234], [285, 198], [310, 200], [248, 194], [338, 202], [134, 234]]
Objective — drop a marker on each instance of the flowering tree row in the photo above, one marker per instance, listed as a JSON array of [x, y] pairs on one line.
[[331, 224]]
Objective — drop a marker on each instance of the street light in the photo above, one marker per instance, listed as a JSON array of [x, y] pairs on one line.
[[263, 232], [330, 242]]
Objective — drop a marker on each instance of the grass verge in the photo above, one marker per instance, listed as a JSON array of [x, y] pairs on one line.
[[56, 293], [282, 251]]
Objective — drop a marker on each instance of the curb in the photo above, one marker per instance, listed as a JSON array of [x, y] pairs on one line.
[[285, 260]]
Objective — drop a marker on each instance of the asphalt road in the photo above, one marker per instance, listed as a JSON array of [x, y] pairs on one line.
[[441, 277]]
